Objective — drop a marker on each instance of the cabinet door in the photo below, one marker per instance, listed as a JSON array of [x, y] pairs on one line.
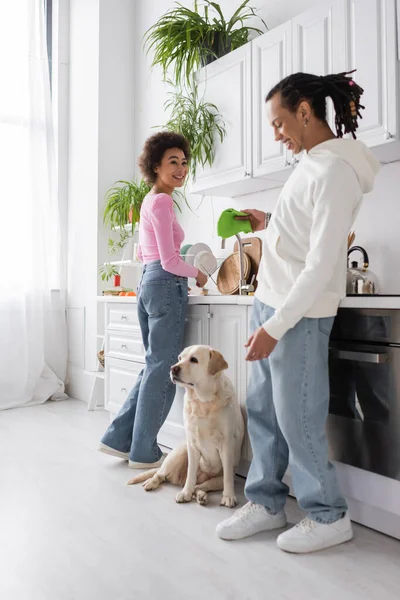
[[319, 42], [371, 48], [121, 376], [228, 334], [271, 62], [227, 84], [196, 332]]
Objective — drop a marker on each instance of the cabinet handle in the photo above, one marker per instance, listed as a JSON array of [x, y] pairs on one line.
[[286, 163], [246, 174], [210, 315], [368, 357], [387, 136], [124, 346], [123, 317], [124, 390]]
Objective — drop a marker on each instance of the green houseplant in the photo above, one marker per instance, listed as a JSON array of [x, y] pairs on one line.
[[123, 202], [107, 271], [186, 40], [198, 121]]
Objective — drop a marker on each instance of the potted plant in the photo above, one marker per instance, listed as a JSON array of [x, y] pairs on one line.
[[186, 40], [123, 202], [198, 121], [107, 271]]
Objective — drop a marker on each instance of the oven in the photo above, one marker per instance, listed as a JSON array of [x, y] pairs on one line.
[[363, 425]]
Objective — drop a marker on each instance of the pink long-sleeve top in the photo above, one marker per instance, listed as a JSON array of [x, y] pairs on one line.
[[161, 236]]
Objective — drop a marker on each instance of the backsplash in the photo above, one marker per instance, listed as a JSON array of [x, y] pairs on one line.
[[377, 225]]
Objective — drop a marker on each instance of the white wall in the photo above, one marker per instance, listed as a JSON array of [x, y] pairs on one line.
[[101, 150], [376, 227]]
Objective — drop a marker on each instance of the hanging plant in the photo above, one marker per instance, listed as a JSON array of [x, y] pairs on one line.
[[198, 121], [186, 40]]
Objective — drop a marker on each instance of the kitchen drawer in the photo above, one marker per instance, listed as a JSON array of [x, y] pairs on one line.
[[128, 346], [122, 316], [121, 376]]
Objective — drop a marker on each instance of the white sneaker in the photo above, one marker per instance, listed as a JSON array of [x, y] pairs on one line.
[[108, 450], [248, 520], [310, 536], [154, 465]]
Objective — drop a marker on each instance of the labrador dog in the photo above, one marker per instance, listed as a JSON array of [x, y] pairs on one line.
[[214, 429]]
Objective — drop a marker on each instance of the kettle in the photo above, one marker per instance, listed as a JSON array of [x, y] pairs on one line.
[[360, 280]]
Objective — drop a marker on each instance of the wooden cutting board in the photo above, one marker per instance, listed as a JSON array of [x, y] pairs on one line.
[[229, 273], [252, 246]]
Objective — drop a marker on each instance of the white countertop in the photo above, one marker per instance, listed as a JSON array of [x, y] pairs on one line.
[[389, 302]]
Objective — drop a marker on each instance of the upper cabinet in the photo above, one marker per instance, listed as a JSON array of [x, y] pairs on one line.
[[335, 36], [227, 83], [271, 62], [319, 41], [372, 50]]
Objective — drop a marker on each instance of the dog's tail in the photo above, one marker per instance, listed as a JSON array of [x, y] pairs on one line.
[[142, 477]]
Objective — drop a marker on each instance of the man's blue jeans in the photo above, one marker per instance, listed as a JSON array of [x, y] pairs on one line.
[[287, 405]]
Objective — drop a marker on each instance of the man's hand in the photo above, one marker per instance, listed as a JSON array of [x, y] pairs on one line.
[[257, 218], [260, 345]]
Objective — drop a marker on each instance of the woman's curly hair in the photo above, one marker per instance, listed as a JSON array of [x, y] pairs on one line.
[[154, 150]]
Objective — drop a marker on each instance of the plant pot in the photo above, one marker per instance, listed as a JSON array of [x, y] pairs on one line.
[[218, 44]]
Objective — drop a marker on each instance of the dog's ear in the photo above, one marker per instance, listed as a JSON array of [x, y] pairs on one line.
[[217, 362]]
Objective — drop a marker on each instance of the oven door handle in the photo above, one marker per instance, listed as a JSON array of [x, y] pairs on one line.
[[368, 357]]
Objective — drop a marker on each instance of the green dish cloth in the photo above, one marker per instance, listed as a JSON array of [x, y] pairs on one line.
[[229, 226]]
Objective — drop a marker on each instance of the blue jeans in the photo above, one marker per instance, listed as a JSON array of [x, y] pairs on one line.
[[162, 306], [287, 405]]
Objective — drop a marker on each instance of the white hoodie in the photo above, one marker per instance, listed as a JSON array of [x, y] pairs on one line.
[[303, 268]]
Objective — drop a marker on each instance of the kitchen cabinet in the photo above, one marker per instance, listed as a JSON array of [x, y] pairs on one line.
[[196, 332], [372, 49], [271, 62], [120, 377], [227, 83], [319, 41], [319, 37], [228, 335], [332, 37], [124, 353], [222, 326]]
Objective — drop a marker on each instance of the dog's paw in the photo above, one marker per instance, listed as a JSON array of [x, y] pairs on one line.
[[201, 497], [184, 496], [229, 501], [150, 485]]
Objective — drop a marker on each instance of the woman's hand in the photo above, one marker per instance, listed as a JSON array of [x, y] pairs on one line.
[[201, 279], [257, 218], [260, 345]]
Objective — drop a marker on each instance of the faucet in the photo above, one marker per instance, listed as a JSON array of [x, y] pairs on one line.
[[244, 287]]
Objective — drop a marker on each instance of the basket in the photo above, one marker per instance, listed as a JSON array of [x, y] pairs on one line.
[[100, 356]]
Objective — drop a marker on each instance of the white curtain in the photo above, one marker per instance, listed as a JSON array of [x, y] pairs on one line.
[[33, 348]]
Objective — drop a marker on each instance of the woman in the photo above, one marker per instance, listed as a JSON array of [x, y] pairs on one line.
[[161, 305], [301, 280]]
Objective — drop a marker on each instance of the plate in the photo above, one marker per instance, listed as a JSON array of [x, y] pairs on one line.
[[195, 250], [184, 250], [206, 262]]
